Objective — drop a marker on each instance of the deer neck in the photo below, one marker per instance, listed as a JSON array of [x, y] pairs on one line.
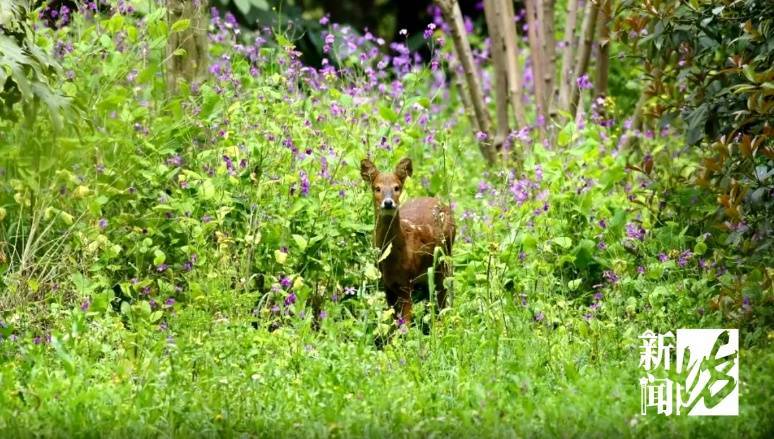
[[388, 231]]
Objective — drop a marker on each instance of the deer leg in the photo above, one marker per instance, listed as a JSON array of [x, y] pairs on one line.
[[404, 303], [392, 300]]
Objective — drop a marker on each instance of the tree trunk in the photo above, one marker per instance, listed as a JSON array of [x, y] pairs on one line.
[[453, 17], [515, 80], [499, 53], [193, 63], [465, 97], [603, 61], [582, 63], [568, 62], [533, 35], [548, 54]]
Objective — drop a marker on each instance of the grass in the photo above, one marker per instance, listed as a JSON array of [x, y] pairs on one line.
[[217, 376]]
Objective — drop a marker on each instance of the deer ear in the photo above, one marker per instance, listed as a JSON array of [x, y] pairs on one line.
[[404, 168], [368, 171]]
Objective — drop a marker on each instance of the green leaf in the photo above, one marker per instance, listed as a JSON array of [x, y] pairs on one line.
[[243, 6], [181, 25], [371, 272], [159, 257], [565, 136], [115, 23], [563, 241], [388, 113], [208, 190], [300, 242], [385, 253]]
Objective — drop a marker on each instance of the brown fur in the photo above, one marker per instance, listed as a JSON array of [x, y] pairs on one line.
[[414, 229]]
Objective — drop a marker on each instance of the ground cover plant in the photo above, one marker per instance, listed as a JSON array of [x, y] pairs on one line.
[[194, 258]]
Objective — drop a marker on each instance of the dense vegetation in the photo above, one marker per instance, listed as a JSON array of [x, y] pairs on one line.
[[199, 263]]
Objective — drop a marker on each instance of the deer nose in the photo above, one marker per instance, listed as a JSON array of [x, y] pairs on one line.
[[388, 203]]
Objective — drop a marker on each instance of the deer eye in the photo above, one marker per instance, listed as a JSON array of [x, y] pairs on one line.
[[397, 188], [378, 189]]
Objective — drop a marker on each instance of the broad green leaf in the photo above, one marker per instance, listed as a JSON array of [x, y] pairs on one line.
[[300, 242], [181, 25]]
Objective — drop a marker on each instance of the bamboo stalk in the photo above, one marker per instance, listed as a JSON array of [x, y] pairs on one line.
[[548, 54], [603, 60], [453, 17], [499, 53], [567, 54], [534, 53], [515, 79], [582, 63], [467, 103]]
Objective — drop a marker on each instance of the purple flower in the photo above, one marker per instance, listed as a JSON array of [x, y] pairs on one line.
[[323, 314], [86, 304], [285, 282], [684, 257], [206, 218], [641, 269], [290, 299], [162, 268], [325, 20], [610, 276], [663, 257], [481, 136], [523, 298], [229, 164], [601, 245], [539, 317], [350, 291], [602, 224], [102, 223], [169, 303], [538, 173], [583, 82], [175, 160], [746, 305], [635, 231], [429, 31], [304, 180]]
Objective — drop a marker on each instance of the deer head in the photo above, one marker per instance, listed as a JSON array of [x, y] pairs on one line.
[[386, 187]]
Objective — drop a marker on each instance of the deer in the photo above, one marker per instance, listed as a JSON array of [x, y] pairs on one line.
[[407, 235]]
